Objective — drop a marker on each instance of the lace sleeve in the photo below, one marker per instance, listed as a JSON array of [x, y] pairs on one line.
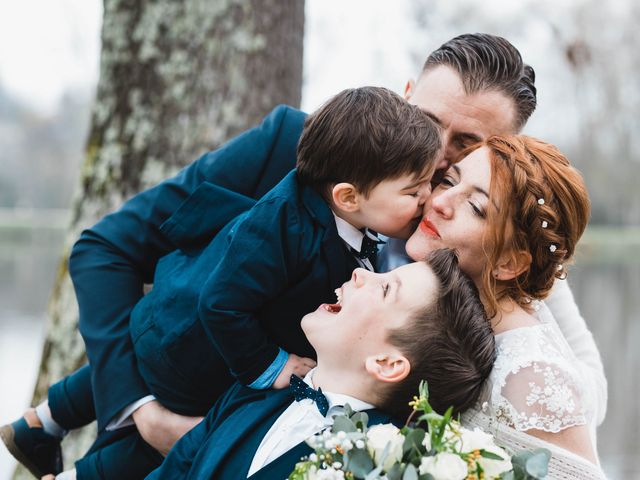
[[534, 382], [544, 396]]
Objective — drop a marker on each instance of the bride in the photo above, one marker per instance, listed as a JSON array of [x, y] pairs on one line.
[[513, 209]]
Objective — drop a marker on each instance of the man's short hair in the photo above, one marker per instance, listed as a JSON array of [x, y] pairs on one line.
[[364, 136], [489, 63], [449, 343]]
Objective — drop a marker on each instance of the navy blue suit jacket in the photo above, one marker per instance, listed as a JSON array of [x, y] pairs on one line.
[[223, 445], [112, 261], [233, 302]]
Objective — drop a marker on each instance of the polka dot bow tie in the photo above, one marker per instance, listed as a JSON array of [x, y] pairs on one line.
[[301, 390], [369, 247]]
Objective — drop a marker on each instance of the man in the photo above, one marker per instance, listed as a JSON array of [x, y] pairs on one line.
[[387, 332]]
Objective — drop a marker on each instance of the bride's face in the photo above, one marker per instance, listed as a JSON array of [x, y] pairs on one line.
[[455, 216]]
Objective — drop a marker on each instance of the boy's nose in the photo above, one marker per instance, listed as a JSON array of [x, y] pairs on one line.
[[360, 276]]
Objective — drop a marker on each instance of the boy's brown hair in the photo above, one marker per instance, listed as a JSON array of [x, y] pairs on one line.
[[449, 344], [363, 136]]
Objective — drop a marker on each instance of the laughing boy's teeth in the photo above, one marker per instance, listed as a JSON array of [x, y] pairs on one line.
[[339, 295]]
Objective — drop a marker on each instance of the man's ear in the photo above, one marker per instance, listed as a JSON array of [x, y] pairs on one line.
[[511, 265], [388, 368], [345, 196], [408, 88]]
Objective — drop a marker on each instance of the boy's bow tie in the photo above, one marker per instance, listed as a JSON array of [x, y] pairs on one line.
[[369, 246], [301, 391]]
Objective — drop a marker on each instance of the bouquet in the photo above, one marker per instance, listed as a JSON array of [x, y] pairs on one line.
[[444, 450]]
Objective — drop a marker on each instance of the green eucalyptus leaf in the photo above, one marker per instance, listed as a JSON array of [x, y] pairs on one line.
[[395, 473], [537, 465], [413, 441], [343, 424], [410, 473], [374, 474], [359, 463], [360, 420], [348, 411]]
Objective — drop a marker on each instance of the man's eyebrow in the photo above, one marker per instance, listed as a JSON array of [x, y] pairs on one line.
[[435, 119], [471, 137]]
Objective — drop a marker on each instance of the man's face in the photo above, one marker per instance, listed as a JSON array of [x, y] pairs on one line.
[[466, 119], [370, 305]]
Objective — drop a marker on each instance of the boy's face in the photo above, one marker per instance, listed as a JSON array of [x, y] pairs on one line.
[[371, 304], [394, 207]]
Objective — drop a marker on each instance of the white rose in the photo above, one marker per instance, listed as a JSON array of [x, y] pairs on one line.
[[476, 439], [379, 436], [444, 466]]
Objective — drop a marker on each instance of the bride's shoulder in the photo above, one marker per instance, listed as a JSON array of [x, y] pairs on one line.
[[534, 383]]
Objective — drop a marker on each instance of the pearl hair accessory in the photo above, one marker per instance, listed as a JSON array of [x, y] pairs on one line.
[[552, 248], [559, 266], [541, 201], [545, 224]]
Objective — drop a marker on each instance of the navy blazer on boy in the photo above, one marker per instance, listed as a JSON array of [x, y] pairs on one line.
[[230, 305], [223, 445], [112, 261]]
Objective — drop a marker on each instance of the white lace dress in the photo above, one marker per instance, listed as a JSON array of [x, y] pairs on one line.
[[537, 383]]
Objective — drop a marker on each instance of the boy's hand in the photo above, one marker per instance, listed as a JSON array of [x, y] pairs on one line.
[[161, 428], [295, 365]]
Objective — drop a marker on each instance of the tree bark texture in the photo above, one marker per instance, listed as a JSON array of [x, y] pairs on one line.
[[176, 79]]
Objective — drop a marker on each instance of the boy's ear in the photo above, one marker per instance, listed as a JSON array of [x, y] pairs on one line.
[[408, 88], [345, 196], [388, 368], [511, 265]]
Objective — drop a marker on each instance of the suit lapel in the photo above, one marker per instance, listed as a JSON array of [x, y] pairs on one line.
[[232, 431]]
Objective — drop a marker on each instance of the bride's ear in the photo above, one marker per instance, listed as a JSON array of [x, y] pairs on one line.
[[408, 89], [511, 265], [388, 368]]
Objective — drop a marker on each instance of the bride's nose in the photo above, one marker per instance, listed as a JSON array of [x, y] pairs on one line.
[[442, 203]]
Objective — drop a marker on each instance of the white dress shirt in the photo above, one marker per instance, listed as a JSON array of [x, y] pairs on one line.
[[298, 422]]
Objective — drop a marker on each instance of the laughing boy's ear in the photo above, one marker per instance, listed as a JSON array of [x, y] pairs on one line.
[[388, 368]]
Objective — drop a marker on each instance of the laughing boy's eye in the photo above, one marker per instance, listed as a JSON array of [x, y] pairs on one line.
[[385, 289]]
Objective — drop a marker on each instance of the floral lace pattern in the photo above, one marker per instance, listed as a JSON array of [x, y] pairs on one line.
[[534, 383]]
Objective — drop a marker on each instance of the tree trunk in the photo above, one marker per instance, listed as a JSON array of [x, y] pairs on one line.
[[176, 79]]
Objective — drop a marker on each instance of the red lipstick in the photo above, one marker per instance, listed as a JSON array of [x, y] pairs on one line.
[[429, 228]]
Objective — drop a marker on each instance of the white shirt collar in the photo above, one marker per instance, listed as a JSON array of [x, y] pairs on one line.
[[338, 400], [350, 234]]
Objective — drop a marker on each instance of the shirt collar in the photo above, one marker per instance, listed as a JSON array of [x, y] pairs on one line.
[[350, 234], [338, 400]]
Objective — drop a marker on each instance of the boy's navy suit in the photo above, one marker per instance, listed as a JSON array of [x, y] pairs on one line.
[[223, 445], [112, 261], [228, 306]]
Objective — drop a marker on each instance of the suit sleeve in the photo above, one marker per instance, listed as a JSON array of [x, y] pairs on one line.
[[259, 263], [112, 260], [181, 457]]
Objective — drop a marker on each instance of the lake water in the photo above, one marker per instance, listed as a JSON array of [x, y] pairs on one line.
[[605, 281]]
